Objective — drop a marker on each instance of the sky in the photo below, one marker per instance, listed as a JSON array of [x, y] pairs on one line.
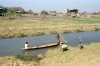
[[58, 5]]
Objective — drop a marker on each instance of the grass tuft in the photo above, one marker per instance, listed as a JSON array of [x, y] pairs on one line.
[[28, 58]]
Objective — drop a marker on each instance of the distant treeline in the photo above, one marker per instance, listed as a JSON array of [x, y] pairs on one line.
[[13, 10]]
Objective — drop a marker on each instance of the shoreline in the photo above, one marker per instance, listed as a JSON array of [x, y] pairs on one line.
[[56, 54]]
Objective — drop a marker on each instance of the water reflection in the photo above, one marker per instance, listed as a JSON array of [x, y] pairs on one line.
[[26, 53], [37, 51]]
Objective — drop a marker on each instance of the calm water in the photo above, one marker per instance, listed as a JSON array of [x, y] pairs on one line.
[[13, 46]]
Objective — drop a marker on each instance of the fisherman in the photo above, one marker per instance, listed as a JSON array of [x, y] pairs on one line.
[[64, 46], [80, 43], [58, 38], [26, 45]]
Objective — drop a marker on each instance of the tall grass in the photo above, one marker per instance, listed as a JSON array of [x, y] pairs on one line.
[[21, 28]]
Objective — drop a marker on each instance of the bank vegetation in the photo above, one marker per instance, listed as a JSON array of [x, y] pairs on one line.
[[89, 56], [21, 28]]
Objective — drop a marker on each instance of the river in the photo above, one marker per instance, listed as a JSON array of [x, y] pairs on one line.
[[12, 46]]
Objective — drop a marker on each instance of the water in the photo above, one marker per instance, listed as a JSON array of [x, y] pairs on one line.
[[13, 46]]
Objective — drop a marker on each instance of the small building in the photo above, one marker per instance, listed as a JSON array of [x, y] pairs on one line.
[[19, 12], [52, 13], [98, 13], [34, 13], [74, 11], [1, 11]]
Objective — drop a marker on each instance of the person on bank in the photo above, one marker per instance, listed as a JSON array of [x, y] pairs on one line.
[[26, 45], [64, 46], [80, 43]]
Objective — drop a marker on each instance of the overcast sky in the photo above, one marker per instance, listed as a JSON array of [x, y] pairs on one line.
[[57, 5]]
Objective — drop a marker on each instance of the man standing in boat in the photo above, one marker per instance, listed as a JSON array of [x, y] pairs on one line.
[[58, 38], [63, 45]]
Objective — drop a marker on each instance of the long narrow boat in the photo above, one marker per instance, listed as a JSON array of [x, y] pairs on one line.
[[47, 45], [41, 46]]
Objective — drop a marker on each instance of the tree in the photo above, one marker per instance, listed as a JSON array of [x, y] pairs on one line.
[[68, 11], [44, 12], [30, 11]]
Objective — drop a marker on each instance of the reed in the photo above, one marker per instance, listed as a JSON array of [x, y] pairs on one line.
[[21, 28]]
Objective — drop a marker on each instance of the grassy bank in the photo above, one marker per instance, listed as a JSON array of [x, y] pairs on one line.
[[89, 56], [21, 28]]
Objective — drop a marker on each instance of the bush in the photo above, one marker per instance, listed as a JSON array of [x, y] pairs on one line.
[[44, 12]]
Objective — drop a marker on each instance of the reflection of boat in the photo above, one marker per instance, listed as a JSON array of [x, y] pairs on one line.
[[26, 52], [41, 46]]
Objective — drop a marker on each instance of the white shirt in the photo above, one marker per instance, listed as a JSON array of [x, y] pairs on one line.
[[26, 46], [64, 46]]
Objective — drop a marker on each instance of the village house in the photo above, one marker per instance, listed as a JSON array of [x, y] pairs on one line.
[[74, 13], [52, 13], [1, 11], [35, 13]]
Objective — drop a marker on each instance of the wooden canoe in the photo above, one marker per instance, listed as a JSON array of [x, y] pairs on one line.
[[41, 46]]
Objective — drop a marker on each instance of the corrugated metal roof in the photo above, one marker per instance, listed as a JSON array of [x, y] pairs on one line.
[[1, 8]]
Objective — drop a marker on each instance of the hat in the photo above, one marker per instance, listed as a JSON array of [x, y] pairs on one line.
[[26, 42]]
